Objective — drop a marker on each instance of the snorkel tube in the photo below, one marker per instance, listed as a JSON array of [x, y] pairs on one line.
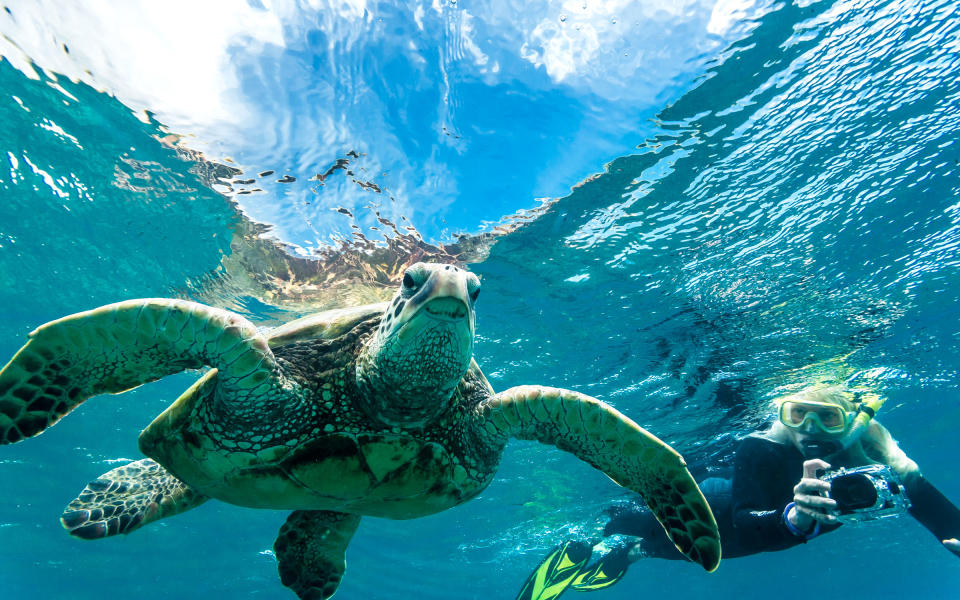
[[866, 411]]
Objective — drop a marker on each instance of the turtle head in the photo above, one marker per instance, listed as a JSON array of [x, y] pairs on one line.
[[409, 369]]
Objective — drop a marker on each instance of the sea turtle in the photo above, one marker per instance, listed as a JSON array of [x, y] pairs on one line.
[[374, 410]]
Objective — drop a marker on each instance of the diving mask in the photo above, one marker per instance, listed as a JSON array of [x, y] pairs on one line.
[[830, 418]]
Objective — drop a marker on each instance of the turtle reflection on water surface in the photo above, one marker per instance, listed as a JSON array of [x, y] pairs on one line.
[[375, 410]]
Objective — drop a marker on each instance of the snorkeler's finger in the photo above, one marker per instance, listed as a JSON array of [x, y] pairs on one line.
[[816, 514], [815, 502], [811, 486], [953, 545], [810, 467]]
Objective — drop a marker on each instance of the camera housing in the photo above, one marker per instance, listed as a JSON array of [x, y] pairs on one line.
[[866, 493]]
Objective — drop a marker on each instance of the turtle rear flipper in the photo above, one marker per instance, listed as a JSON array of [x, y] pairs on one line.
[[310, 551], [127, 498], [631, 456], [120, 346]]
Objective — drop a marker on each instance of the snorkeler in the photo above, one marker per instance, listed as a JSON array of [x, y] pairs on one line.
[[823, 462]]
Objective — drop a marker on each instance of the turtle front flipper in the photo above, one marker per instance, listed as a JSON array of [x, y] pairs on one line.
[[127, 498], [310, 551], [633, 457], [120, 346]]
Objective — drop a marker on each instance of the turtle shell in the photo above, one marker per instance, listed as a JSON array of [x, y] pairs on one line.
[[318, 450]]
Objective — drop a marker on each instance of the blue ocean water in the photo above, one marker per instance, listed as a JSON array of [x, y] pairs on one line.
[[725, 206]]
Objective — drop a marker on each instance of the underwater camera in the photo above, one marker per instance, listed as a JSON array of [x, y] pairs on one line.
[[866, 493]]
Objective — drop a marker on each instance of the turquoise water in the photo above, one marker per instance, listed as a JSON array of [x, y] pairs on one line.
[[744, 205]]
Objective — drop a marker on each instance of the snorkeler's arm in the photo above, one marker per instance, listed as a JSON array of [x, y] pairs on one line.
[[932, 509], [928, 505]]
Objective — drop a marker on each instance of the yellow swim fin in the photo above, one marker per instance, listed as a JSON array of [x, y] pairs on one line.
[[556, 572], [605, 572]]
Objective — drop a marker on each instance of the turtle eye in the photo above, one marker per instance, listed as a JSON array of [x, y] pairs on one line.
[[413, 278], [473, 287]]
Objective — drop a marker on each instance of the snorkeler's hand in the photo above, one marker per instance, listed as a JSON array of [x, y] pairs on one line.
[[809, 504], [953, 545]]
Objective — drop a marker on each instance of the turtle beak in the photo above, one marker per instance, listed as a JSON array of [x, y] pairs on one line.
[[446, 309], [447, 300], [442, 299]]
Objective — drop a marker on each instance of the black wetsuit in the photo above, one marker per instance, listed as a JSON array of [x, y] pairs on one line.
[[749, 511]]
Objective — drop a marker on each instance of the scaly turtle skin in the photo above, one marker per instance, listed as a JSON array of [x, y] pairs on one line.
[[376, 410]]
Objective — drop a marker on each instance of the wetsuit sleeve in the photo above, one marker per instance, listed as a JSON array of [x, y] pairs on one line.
[[763, 482], [932, 509]]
